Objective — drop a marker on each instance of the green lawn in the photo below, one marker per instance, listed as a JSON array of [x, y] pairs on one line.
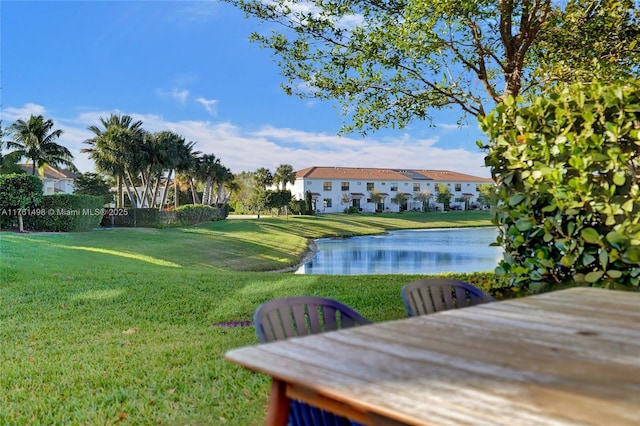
[[122, 326]]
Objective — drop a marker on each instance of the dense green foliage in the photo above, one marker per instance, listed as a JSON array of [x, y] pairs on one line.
[[19, 196], [93, 184], [188, 214], [444, 195], [590, 40], [389, 62], [35, 139], [277, 199], [191, 214], [568, 194], [129, 326], [66, 213]]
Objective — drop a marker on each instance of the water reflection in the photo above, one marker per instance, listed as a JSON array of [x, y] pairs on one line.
[[407, 252]]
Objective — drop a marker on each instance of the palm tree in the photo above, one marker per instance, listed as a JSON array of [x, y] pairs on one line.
[[222, 177], [186, 169], [263, 178], [173, 148], [207, 167], [8, 162], [284, 175], [111, 149], [35, 140]]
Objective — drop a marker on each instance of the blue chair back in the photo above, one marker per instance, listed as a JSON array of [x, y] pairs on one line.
[[303, 315], [288, 317], [430, 295]]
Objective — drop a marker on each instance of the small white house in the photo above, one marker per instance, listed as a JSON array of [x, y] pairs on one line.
[[333, 189], [54, 181]]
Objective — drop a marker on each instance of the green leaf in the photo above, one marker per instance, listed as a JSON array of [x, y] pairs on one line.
[[615, 274], [516, 199], [593, 276], [616, 239], [619, 178], [524, 224], [603, 256], [587, 259], [590, 235]]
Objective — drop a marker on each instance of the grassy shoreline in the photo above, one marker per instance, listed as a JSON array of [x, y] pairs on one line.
[[129, 326]]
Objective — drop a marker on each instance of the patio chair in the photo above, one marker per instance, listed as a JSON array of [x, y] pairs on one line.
[[432, 295], [289, 317]]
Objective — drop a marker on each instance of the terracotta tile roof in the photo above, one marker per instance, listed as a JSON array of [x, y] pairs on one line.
[[50, 172], [349, 173], [353, 173]]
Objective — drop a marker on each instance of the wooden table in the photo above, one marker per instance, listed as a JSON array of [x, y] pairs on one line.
[[569, 357]]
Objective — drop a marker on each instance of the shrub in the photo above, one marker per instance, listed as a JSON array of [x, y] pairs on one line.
[[67, 213], [567, 201], [196, 213], [189, 214], [298, 206], [19, 198]]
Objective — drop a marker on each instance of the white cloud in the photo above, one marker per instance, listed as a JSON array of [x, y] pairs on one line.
[[12, 114], [249, 149], [179, 96], [209, 105], [449, 126]]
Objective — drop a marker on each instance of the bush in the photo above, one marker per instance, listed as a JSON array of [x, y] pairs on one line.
[[298, 207], [197, 213], [567, 201], [189, 214], [67, 213], [20, 195], [351, 210]]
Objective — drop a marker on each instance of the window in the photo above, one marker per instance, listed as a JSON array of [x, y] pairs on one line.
[[477, 187], [416, 187], [344, 186], [326, 186], [326, 202], [369, 186], [458, 187], [394, 186]]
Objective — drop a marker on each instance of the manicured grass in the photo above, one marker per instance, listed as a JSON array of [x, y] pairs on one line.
[[129, 326]]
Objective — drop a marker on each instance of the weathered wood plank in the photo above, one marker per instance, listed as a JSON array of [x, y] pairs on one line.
[[534, 361]]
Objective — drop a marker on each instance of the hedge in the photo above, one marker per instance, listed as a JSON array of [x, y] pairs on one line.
[[67, 213]]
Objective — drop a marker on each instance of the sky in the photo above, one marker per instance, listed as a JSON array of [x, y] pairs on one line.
[[189, 67]]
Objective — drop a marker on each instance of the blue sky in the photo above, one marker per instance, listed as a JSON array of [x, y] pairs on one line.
[[188, 67]]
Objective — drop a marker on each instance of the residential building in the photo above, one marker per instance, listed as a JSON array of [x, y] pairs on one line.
[[54, 181], [333, 189]]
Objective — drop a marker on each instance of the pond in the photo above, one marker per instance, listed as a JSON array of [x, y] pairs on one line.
[[426, 251]]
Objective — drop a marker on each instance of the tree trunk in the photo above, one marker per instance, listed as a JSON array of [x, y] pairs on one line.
[[120, 196], [166, 190], [146, 181], [176, 201], [194, 193], [154, 193], [132, 198], [206, 196]]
